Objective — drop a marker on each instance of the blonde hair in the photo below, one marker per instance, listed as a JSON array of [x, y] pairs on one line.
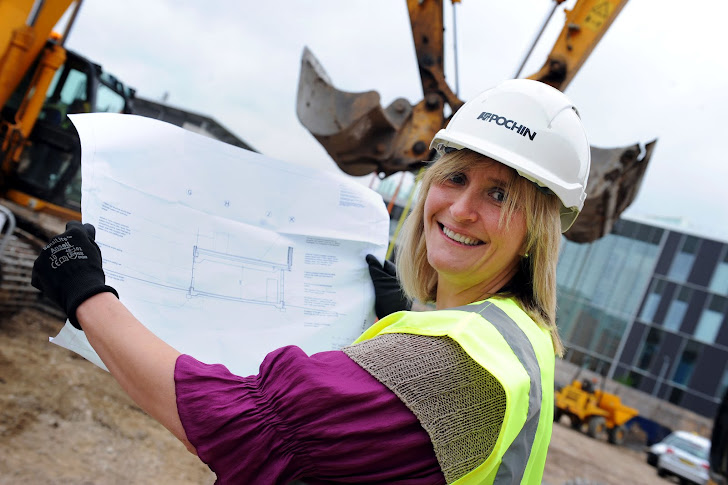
[[534, 285]]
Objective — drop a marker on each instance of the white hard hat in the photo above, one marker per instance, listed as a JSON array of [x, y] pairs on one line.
[[532, 128]]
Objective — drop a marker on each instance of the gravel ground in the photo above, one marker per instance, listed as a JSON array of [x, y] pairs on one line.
[[64, 421]]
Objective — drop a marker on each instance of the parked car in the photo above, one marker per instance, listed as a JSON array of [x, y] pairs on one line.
[[684, 455], [653, 452]]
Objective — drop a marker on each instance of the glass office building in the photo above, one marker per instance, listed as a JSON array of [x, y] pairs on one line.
[[646, 305]]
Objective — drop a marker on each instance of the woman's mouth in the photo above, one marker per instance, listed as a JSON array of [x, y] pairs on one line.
[[468, 241]]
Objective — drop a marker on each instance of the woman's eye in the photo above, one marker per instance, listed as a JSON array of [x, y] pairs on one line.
[[498, 194], [457, 178]]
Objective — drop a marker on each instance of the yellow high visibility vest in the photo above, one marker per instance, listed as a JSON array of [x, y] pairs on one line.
[[498, 335]]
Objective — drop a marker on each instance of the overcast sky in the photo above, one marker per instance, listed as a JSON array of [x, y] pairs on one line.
[[659, 72]]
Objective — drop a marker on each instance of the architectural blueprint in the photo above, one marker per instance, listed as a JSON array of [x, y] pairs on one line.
[[223, 253]]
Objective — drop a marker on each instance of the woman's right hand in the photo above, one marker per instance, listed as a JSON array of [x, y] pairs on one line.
[[388, 295], [68, 270]]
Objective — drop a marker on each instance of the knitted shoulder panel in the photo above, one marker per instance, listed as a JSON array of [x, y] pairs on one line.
[[459, 403]]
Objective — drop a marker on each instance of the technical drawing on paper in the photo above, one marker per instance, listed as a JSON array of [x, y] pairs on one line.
[[221, 275]]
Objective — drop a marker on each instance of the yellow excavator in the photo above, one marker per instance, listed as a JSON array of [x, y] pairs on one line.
[[41, 82], [363, 137]]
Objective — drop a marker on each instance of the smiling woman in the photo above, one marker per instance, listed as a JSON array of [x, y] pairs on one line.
[[483, 239], [463, 394]]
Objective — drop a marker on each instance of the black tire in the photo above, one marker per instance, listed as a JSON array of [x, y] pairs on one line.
[[557, 414], [661, 472], [616, 435], [652, 459], [575, 422], [597, 426]]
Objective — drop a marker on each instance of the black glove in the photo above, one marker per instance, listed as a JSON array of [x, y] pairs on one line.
[[388, 296], [68, 270]]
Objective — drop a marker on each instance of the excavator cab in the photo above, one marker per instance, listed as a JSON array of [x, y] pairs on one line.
[[47, 175]]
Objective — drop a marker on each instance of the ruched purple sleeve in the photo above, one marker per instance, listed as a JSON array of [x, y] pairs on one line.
[[322, 419]]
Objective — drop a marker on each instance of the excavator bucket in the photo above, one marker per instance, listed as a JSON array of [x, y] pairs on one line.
[[356, 131], [615, 177]]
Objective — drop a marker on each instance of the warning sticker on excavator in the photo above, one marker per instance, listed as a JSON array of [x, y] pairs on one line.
[[598, 16]]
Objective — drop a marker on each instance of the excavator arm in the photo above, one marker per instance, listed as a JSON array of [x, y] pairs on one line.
[[363, 137], [584, 27]]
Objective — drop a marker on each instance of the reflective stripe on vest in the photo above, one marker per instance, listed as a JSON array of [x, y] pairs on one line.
[[515, 459]]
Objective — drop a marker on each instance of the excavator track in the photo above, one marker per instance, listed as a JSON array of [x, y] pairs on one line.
[[16, 267], [16, 264]]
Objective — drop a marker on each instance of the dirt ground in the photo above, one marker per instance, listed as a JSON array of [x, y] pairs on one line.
[[65, 421]]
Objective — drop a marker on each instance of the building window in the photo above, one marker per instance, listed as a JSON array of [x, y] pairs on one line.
[[577, 358], [686, 364], [649, 348], [677, 309], [633, 379], [719, 281], [652, 301], [711, 319], [675, 396], [649, 234], [586, 327], [683, 262], [723, 384], [625, 228], [611, 329], [571, 264], [625, 275]]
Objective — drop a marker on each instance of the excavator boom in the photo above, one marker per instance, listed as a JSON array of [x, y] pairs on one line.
[[23, 35]]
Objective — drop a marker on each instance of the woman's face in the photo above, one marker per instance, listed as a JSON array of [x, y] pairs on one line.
[[465, 243]]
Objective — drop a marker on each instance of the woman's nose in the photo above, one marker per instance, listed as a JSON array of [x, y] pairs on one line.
[[464, 208]]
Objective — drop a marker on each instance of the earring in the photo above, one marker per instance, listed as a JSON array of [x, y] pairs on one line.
[[525, 255]]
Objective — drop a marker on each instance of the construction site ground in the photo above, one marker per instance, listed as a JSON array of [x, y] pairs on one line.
[[65, 421]]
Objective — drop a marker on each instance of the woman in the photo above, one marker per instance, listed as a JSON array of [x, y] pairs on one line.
[[463, 394]]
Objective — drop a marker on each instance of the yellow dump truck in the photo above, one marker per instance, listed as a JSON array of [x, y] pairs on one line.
[[593, 411]]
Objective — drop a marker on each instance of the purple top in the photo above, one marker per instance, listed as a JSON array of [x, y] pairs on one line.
[[322, 419]]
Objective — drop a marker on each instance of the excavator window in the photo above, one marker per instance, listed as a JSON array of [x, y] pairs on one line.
[[43, 177], [108, 100], [67, 95]]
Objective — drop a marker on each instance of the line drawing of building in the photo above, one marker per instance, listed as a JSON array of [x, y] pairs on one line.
[[232, 277]]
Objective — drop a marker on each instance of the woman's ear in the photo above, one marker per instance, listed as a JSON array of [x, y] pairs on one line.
[[524, 249]]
